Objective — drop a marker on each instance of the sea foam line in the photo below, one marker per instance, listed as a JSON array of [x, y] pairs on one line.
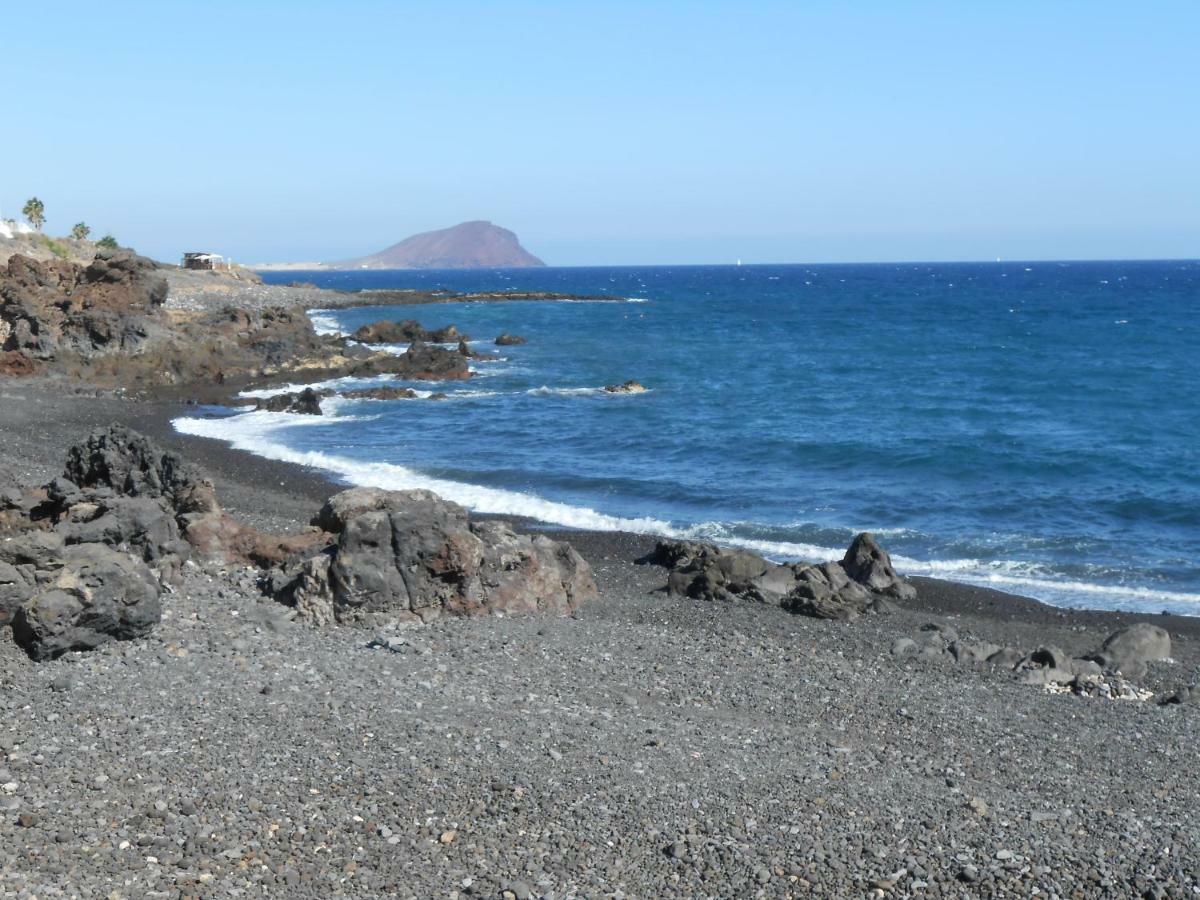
[[348, 382], [253, 432]]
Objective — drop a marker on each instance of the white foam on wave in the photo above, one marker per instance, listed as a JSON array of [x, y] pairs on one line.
[[469, 395], [254, 432], [547, 391], [347, 383], [779, 551], [324, 321], [1031, 579], [494, 369], [394, 349]]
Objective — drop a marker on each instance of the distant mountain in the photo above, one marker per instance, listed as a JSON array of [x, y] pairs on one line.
[[471, 245]]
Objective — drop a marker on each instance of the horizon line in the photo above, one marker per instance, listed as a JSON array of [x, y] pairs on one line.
[[734, 265]]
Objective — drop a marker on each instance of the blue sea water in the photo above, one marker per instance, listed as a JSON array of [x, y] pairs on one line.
[[1029, 426]]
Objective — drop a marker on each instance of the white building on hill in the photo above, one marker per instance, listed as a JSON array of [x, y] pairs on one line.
[[10, 228]]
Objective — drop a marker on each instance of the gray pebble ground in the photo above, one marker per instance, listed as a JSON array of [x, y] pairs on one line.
[[649, 747]]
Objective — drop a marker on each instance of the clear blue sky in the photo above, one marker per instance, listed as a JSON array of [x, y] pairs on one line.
[[675, 132]]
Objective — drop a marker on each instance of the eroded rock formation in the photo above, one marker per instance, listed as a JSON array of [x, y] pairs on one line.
[[410, 555], [112, 305]]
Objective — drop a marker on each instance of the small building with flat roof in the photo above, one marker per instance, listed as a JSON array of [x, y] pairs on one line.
[[204, 261]]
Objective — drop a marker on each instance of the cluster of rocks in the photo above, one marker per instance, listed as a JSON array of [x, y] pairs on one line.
[[862, 582], [55, 308], [398, 557], [408, 331], [1105, 672], [85, 558]]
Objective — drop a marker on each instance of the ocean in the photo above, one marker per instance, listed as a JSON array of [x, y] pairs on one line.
[[1033, 427]]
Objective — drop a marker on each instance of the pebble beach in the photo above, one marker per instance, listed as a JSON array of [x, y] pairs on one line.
[[648, 745]]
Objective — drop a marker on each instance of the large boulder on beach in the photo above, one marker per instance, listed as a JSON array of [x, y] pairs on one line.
[[145, 526], [410, 555], [708, 572], [15, 589], [1129, 649], [827, 592], [344, 506], [830, 590], [98, 595], [871, 566]]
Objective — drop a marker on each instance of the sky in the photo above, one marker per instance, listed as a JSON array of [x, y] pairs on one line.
[[612, 133]]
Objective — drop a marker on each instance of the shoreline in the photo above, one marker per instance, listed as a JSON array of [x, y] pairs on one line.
[[935, 596], [265, 490], [947, 596]]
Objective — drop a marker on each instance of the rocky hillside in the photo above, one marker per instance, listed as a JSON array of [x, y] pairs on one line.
[[107, 322], [471, 245], [44, 248]]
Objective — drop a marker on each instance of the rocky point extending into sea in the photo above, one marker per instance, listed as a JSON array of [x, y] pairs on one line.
[[228, 676]]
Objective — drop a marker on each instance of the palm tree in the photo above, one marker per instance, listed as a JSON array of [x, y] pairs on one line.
[[81, 231], [35, 212]]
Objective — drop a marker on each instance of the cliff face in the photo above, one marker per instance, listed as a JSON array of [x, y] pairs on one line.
[[471, 245]]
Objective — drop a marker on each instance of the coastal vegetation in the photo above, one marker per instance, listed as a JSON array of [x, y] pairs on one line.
[[35, 211], [81, 231], [56, 247]]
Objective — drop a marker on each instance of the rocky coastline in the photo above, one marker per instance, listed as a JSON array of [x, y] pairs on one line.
[[364, 693]]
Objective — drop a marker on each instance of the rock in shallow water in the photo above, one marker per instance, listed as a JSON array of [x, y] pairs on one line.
[[627, 387], [306, 402], [385, 332]]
